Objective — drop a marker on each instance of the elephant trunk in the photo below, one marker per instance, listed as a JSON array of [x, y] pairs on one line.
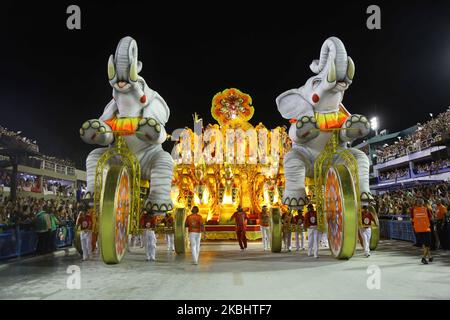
[[126, 60], [332, 49]]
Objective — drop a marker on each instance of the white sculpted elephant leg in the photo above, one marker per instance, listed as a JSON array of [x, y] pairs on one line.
[[157, 166], [91, 165], [363, 171], [295, 170]]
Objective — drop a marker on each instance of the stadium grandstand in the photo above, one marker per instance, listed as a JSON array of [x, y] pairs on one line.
[[37, 175]]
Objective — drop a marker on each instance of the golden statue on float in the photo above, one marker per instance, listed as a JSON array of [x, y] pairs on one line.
[[228, 164]]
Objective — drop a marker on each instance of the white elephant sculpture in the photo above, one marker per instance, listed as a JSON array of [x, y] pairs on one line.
[[317, 105], [141, 111]]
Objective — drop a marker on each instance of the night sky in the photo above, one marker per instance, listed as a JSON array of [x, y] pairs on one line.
[[53, 79]]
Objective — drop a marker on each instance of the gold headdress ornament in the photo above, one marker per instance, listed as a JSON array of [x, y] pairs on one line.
[[232, 107]]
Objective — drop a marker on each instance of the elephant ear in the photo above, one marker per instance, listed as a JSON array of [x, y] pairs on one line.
[[291, 105], [110, 111], [157, 108]]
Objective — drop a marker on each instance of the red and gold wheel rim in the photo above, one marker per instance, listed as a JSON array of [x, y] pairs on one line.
[[340, 208], [115, 214], [122, 206]]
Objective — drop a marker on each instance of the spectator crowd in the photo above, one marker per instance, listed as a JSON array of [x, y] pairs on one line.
[[431, 167], [394, 174], [5, 179], [18, 139], [58, 189], [435, 197], [25, 209], [48, 218], [425, 135], [400, 202], [61, 162]]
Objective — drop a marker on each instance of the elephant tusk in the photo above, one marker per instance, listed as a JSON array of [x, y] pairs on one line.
[[332, 73], [133, 71], [350, 69], [111, 68]]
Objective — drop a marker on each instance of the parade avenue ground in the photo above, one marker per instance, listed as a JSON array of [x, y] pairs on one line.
[[393, 271]]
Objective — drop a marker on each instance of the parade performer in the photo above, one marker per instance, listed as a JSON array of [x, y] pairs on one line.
[[287, 220], [240, 218], [148, 223], [84, 221], [313, 233], [317, 105], [264, 222], [141, 113], [299, 231], [420, 217], [194, 223], [366, 230], [169, 232], [441, 213]]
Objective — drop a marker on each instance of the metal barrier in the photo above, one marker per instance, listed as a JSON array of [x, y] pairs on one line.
[[64, 236], [385, 228], [8, 244], [397, 227], [27, 242], [15, 242]]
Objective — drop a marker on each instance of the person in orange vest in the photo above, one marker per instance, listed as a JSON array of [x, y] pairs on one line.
[[240, 218], [441, 212], [264, 223], [194, 223], [287, 220], [366, 230], [420, 217], [148, 223], [84, 221], [313, 233]]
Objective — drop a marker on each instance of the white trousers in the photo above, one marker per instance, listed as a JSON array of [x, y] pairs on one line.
[[313, 241], [170, 241], [135, 239], [366, 234], [265, 231], [194, 240], [287, 239], [150, 244], [323, 239], [86, 243], [300, 236]]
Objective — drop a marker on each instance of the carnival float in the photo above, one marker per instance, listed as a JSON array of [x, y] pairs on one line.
[[229, 163]]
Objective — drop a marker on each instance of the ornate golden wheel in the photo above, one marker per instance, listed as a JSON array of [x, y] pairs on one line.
[[275, 230], [341, 211], [180, 230], [115, 210]]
